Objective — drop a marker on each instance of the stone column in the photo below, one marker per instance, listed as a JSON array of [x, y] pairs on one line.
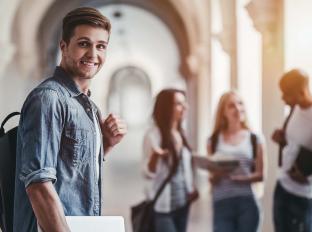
[[228, 37], [197, 69], [199, 96], [267, 16]]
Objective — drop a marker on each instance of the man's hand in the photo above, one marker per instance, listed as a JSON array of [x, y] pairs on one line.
[[113, 130], [278, 136], [297, 176]]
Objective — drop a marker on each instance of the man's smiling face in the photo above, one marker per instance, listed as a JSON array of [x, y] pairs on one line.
[[84, 55]]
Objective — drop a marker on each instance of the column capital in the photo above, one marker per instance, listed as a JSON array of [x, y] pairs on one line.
[[225, 39], [228, 18], [263, 14], [193, 63]]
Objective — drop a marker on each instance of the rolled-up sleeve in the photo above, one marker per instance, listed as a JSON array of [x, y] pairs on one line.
[[40, 136]]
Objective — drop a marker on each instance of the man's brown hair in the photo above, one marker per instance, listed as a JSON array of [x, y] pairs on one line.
[[83, 16]]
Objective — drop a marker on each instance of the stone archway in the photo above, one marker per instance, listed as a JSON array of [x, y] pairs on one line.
[[164, 9], [189, 32], [189, 22], [130, 83]]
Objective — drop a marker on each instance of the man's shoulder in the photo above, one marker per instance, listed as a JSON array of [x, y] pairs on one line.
[[51, 83], [302, 117], [47, 91], [49, 87]]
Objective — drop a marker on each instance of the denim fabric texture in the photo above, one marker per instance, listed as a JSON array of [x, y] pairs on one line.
[[175, 221], [291, 213], [236, 214], [56, 142]]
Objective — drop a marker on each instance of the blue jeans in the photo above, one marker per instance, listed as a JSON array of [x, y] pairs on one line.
[[236, 214], [291, 213], [175, 221]]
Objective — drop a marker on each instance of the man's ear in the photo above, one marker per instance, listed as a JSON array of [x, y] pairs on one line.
[[305, 92], [63, 45], [300, 95]]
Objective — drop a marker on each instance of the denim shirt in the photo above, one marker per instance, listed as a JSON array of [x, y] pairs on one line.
[[56, 142]]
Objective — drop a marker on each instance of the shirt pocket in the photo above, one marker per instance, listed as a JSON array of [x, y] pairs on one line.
[[75, 146]]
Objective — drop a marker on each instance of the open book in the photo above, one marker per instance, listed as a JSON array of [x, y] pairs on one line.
[[216, 162]]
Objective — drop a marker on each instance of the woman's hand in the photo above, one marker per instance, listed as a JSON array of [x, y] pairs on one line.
[[240, 178], [162, 153], [217, 175], [193, 196], [157, 154]]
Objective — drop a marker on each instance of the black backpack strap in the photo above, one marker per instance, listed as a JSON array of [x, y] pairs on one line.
[[253, 140], [2, 131], [214, 142]]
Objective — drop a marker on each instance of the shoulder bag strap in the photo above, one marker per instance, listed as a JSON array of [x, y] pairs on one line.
[[162, 186], [281, 146]]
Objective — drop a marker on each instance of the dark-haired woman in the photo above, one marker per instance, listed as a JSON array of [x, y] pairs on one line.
[[165, 147]]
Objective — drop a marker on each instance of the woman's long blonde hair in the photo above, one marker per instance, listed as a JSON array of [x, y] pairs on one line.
[[221, 123]]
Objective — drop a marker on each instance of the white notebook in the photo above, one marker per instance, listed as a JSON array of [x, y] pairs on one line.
[[95, 223]]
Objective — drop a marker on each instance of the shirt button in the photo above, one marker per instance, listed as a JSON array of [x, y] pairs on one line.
[[88, 109]]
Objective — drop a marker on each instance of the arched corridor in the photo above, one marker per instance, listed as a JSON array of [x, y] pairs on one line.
[[205, 47]]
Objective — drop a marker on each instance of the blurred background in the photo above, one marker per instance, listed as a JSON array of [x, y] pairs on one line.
[[203, 46]]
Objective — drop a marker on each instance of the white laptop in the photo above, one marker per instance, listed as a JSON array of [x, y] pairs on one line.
[[95, 223]]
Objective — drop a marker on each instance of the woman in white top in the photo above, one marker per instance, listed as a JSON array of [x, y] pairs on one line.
[[165, 147], [235, 208]]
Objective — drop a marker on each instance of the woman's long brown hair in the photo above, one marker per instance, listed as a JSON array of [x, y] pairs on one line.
[[163, 117]]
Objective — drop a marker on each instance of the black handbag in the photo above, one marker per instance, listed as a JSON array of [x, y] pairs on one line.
[[142, 214]]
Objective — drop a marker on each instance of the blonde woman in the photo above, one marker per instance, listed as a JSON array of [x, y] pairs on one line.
[[234, 204]]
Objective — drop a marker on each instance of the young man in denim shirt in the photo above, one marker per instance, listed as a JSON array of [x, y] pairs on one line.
[[62, 138]]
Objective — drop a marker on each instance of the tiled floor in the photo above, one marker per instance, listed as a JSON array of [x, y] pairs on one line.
[[124, 187]]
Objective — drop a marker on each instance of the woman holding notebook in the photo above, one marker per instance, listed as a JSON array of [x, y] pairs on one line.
[[234, 204]]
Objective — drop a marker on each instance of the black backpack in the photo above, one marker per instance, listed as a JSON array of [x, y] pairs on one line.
[[253, 140], [7, 174]]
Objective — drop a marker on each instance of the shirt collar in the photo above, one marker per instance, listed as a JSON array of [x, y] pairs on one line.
[[62, 76]]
